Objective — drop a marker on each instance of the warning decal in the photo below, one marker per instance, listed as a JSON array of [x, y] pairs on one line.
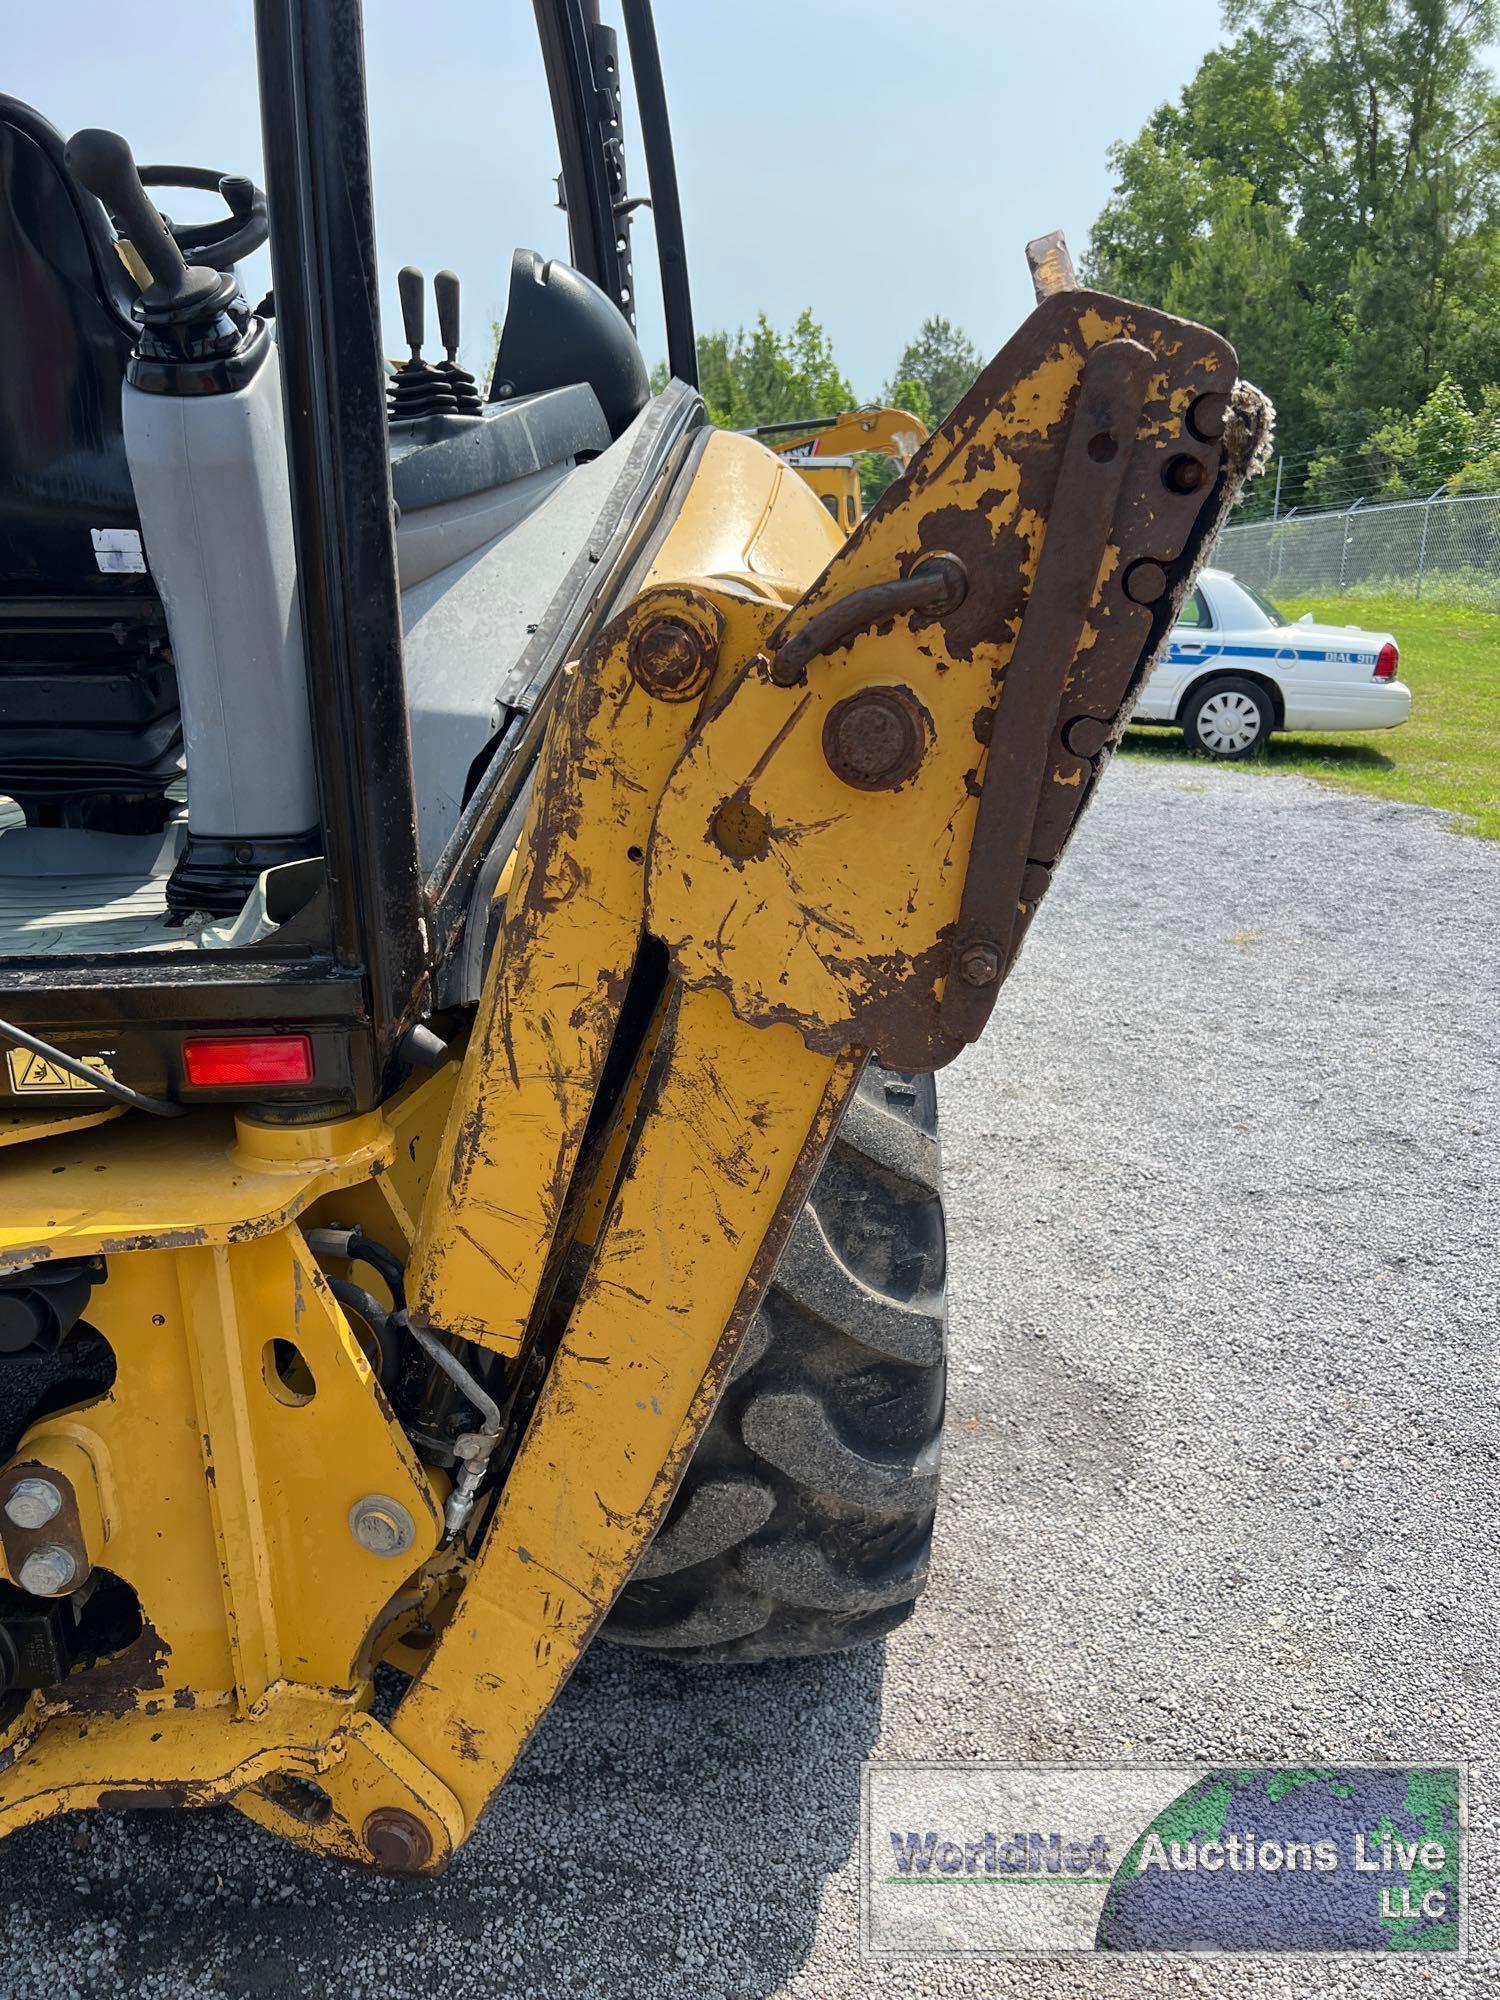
[[34, 1076]]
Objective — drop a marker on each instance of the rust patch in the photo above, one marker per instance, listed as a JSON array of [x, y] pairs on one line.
[[113, 1686], [1068, 599]]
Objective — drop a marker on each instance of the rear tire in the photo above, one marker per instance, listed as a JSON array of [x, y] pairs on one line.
[[804, 1522], [1229, 718]]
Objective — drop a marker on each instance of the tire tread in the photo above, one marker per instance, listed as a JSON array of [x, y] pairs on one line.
[[804, 1523]]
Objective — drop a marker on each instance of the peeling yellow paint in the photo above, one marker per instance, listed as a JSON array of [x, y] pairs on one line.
[[1095, 327], [247, 1421]]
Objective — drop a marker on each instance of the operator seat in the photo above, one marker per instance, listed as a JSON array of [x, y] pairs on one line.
[[89, 728]]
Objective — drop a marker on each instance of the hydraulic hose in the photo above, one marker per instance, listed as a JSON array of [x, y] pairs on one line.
[[355, 1299], [358, 1248], [473, 1449]]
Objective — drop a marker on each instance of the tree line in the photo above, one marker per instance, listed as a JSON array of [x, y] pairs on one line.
[[1326, 192], [762, 375]]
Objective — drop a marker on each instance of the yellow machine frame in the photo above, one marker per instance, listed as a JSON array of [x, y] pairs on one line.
[[831, 778]]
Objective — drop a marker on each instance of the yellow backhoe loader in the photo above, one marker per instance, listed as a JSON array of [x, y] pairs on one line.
[[826, 452], [487, 874]]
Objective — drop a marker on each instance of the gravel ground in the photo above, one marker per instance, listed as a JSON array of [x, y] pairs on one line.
[[1220, 1449]]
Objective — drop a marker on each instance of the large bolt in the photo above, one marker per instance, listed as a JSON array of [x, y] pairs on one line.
[[671, 660], [32, 1503], [49, 1571], [979, 965], [1086, 735], [1208, 416], [397, 1841], [1145, 582], [875, 740], [381, 1525]]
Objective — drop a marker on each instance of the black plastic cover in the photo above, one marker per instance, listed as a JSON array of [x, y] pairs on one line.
[[561, 329], [511, 441]]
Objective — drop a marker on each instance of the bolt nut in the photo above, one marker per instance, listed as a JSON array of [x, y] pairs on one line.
[[32, 1503], [875, 740], [49, 1571], [397, 1841], [381, 1526], [979, 965], [671, 659]]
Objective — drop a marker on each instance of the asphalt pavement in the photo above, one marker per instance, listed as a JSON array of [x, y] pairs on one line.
[[1220, 1473]]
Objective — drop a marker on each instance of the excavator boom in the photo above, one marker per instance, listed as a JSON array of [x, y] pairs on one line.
[[894, 433], [826, 452]]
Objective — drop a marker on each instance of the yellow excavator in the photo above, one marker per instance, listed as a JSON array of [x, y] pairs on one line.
[[488, 871], [826, 452]]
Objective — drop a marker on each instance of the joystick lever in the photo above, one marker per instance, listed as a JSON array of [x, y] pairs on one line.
[[445, 288], [460, 381], [103, 163], [418, 390], [413, 308]]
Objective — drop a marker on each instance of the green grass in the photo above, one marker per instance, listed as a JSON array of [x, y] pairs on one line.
[[1447, 755]]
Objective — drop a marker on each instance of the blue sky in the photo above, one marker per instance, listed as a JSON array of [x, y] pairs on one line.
[[873, 160]]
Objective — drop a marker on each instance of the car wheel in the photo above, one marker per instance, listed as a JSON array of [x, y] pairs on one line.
[[1229, 718]]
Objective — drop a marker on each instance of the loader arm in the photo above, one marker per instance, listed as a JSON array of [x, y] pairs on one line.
[[896, 433], [764, 842]]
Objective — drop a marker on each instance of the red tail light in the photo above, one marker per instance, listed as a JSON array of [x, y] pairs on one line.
[[1389, 660], [232, 1059]]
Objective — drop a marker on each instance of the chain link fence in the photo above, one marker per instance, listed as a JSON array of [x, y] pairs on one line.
[[1444, 550]]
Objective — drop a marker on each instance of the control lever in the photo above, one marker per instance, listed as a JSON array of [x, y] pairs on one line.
[[465, 388], [445, 289], [103, 163], [417, 389], [240, 193], [413, 309]]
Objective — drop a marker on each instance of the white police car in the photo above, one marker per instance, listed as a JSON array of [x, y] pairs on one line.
[[1234, 671]]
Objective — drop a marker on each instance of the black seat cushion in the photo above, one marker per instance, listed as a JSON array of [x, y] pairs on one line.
[[87, 698]]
